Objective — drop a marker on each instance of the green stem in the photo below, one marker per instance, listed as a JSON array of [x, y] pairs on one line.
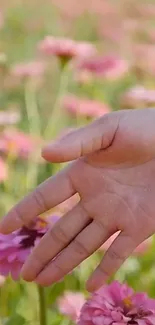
[[34, 129], [58, 117], [42, 306]]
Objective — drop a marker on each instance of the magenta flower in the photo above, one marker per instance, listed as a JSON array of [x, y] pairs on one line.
[[85, 107], [105, 67], [28, 69], [70, 304], [65, 49], [15, 247], [118, 304]]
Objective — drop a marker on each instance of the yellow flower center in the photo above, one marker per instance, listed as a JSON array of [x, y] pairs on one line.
[[127, 302], [42, 223]]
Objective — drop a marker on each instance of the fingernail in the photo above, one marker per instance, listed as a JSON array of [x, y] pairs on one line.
[[96, 281]]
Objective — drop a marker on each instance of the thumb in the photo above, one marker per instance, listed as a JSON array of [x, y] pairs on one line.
[[83, 141]]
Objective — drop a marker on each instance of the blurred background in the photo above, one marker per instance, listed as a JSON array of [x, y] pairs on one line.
[[63, 64]]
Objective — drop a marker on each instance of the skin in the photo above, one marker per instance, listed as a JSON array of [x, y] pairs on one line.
[[113, 171]]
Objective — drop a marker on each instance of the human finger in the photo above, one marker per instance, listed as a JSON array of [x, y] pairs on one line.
[[58, 237], [84, 244], [93, 137], [50, 193], [118, 252]]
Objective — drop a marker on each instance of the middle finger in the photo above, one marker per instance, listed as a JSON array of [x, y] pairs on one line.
[[54, 241], [86, 243]]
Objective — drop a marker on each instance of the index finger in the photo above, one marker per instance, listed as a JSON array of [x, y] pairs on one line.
[[50, 193]]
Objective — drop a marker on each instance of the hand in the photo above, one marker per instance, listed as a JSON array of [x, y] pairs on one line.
[[114, 174]]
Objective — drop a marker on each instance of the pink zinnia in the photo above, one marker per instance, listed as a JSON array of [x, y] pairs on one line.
[[28, 69], [65, 49], [138, 97], [70, 304], [85, 107], [3, 171], [105, 66], [118, 304], [15, 247], [9, 117], [18, 143]]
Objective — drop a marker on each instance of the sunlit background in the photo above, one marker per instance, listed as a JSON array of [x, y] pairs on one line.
[[47, 88]]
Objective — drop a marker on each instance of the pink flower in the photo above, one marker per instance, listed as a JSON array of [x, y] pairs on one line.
[[118, 304], [3, 171], [9, 117], [17, 143], [2, 280], [147, 10], [85, 107], [70, 304], [28, 69], [141, 249], [66, 49], [138, 96], [15, 247], [143, 59], [105, 66]]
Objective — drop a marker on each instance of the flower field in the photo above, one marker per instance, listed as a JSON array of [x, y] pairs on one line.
[[62, 65]]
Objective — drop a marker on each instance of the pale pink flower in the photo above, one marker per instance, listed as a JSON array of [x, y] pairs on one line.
[[83, 77], [3, 171], [146, 10], [15, 247], [105, 66], [143, 58], [118, 304], [138, 96], [2, 280], [9, 117], [141, 249], [70, 304], [85, 107], [18, 143], [28, 69], [66, 49]]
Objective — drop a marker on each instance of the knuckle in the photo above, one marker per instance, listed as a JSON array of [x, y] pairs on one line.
[[38, 261], [79, 248], [59, 267], [115, 256], [59, 235], [39, 198], [101, 225], [84, 208], [104, 270], [19, 215]]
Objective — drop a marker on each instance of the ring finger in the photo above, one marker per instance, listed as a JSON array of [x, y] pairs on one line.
[[84, 244]]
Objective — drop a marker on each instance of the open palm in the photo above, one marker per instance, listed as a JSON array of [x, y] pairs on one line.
[[114, 174]]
